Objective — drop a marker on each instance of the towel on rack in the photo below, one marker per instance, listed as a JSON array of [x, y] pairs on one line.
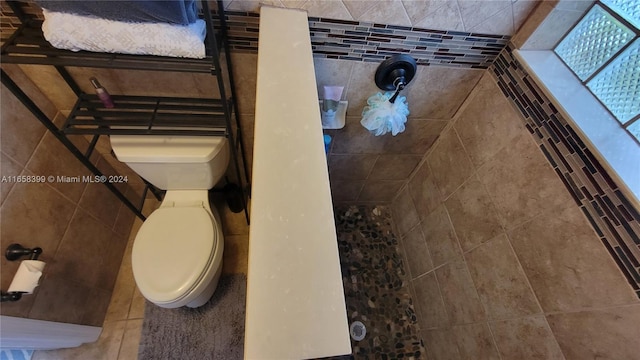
[[181, 12], [75, 33]]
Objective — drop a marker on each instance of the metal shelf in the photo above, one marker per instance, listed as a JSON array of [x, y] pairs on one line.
[[28, 46], [147, 115], [135, 115]]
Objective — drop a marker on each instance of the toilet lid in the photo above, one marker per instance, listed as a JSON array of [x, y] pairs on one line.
[[171, 251]]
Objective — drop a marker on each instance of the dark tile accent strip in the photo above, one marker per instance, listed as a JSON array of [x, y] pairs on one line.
[[347, 39], [614, 219], [448, 48], [621, 266]]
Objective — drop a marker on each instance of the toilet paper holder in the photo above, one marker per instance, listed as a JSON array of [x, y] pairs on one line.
[[13, 253], [16, 251]]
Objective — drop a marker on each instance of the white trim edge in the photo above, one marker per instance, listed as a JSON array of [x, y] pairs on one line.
[[29, 334]]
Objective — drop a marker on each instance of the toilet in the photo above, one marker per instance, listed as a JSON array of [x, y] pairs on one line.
[[177, 253]]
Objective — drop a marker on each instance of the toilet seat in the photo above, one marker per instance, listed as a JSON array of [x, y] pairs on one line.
[[166, 264]]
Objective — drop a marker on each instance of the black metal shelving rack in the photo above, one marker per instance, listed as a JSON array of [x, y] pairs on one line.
[[135, 115]]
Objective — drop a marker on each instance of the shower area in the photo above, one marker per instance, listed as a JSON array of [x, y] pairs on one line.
[[484, 251], [376, 280], [469, 236]]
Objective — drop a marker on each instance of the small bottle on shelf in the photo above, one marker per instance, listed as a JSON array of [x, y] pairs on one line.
[[102, 93]]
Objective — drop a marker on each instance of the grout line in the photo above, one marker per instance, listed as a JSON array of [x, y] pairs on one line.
[[514, 31], [546, 323], [474, 173], [404, 251], [475, 90], [13, 159], [464, 26], [406, 13], [595, 308], [404, 187], [22, 169], [420, 164], [35, 149], [419, 223], [346, 88], [74, 202], [121, 337], [424, 239], [118, 216], [64, 234], [575, 311], [493, 338], [483, 243], [535, 296], [444, 306], [470, 96], [518, 318], [454, 231], [441, 198], [131, 295], [372, 167], [428, 14], [348, 11], [438, 267]]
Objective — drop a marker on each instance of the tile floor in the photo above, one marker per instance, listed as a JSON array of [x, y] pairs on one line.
[[368, 247], [377, 284], [123, 323]]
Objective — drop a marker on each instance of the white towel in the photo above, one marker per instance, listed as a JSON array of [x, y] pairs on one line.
[[75, 33]]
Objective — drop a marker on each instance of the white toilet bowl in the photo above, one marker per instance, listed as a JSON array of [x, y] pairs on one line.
[[177, 253]]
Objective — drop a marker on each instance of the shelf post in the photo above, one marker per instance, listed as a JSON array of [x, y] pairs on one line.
[[53, 129]]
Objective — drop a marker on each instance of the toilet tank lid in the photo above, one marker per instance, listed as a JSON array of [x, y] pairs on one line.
[[171, 252], [166, 149]]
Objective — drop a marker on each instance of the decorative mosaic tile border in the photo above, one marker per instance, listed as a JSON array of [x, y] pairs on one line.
[[242, 30], [361, 41], [608, 210]]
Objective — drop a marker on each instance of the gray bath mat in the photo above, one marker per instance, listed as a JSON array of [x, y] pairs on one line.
[[212, 331]]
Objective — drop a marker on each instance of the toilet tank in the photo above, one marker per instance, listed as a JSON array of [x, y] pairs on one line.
[[174, 162]]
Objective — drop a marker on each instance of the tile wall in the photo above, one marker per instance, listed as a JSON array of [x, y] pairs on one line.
[[345, 36], [364, 168], [503, 262], [502, 17], [363, 41], [598, 196], [81, 227]]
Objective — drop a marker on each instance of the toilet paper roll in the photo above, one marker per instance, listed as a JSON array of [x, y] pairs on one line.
[[27, 276]]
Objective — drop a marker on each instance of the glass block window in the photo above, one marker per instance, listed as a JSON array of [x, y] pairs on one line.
[[603, 50], [618, 84], [593, 42], [628, 9]]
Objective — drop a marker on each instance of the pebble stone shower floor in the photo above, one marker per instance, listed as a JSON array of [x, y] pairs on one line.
[[376, 285]]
